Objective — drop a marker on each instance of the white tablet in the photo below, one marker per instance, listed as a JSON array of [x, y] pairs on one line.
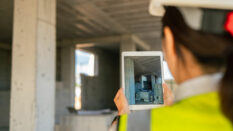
[[142, 77]]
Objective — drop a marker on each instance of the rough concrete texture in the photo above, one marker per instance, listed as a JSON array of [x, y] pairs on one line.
[[86, 123], [62, 102], [33, 67], [5, 69], [4, 108], [65, 85], [98, 91], [68, 71], [5, 74]]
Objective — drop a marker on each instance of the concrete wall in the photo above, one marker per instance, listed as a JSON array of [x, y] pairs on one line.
[[64, 85], [4, 109], [98, 91], [5, 75], [86, 123], [62, 102], [5, 69]]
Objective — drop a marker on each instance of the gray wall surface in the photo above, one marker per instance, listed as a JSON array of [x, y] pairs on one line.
[[62, 102], [98, 91], [5, 75], [5, 69], [4, 109]]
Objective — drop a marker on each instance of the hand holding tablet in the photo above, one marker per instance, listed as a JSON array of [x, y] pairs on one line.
[[121, 102], [142, 76]]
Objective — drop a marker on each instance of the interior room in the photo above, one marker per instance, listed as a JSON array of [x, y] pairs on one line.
[[60, 61]]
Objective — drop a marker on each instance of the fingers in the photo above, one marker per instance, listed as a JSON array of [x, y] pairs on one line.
[[167, 95], [119, 93], [121, 102], [165, 87]]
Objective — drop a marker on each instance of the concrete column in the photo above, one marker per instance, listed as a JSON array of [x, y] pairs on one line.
[[129, 80], [68, 71], [127, 44], [33, 66]]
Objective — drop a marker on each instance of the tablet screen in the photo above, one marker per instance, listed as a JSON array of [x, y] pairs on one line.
[[143, 80]]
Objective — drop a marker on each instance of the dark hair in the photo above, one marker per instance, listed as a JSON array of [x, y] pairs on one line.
[[208, 49]]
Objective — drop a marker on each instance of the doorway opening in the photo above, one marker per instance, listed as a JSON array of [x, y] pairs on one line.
[[84, 64]]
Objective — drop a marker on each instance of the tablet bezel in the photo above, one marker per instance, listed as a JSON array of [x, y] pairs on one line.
[[140, 53]]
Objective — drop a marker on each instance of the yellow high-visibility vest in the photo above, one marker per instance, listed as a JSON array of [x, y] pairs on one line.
[[197, 113]]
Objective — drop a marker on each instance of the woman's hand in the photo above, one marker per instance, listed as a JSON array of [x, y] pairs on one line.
[[168, 95], [123, 106], [121, 102]]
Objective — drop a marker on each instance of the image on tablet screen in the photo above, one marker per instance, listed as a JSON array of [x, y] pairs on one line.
[[143, 80]]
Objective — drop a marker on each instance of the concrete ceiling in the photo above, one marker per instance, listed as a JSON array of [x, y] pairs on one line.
[[94, 18], [146, 65]]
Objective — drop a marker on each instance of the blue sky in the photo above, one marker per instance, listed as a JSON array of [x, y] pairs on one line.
[[81, 57]]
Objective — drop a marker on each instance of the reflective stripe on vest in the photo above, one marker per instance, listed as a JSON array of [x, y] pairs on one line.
[[135, 121]]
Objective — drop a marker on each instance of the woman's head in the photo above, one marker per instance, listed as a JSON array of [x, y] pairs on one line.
[[191, 53], [190, 47]]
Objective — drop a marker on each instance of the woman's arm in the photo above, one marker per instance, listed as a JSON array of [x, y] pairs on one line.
[[122, 107]]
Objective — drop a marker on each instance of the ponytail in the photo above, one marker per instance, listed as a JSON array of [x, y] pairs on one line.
[[226, 87]]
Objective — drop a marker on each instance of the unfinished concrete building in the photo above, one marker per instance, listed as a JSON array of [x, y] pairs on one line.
[[38, 39]]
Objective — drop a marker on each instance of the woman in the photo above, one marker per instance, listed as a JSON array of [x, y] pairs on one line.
[[204, 98]]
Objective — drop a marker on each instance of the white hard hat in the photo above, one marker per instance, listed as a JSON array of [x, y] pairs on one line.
[[157, 6], [192, 11]]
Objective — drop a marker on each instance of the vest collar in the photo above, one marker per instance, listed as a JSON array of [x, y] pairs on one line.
[[197, 86]]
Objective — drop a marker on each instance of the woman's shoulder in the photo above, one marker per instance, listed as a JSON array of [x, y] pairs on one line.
[[195, 112], [198, 103]]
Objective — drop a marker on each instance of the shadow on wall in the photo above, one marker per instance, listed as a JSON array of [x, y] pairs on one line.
[[4, 110], [5, 80], [98, 91]]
